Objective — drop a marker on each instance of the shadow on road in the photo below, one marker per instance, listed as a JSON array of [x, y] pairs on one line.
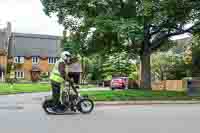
[[11, 107]]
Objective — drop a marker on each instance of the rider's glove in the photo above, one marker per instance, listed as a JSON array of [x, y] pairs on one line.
[[79, 95]]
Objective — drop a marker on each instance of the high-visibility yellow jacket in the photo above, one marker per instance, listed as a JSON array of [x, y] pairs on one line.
[[55, 74]]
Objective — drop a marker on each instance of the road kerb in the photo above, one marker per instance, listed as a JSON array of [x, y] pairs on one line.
[[143, 102]]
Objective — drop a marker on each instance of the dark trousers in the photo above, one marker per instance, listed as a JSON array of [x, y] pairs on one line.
[[56, 92]]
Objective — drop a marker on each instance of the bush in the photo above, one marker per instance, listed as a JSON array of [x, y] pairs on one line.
[[44, 76]]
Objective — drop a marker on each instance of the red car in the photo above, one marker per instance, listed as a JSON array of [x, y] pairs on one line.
[[118, 83]]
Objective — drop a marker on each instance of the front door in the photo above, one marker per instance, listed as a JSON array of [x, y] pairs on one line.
[[35, 76]]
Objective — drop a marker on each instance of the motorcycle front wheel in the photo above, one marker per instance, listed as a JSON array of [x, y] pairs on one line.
[[85, 106]]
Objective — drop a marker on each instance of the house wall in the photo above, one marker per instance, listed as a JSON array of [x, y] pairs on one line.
[[26, 67], [3, 59], [43, 65]]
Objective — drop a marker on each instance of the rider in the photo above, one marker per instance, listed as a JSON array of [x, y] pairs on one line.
[[59, 74]]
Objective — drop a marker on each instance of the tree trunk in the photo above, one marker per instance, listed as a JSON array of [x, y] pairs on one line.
[[145, 65], [145, 71], [63, 40], [83, 69], [161, 73]]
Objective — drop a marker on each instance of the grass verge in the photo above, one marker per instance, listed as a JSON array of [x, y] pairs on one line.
[[125, 95], [129, 95], [23, 88]]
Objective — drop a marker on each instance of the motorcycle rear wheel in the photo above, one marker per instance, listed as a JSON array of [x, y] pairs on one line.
[[47, 104]]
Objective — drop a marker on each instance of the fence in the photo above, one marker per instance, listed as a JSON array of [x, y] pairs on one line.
[[165, 85], [170, 85]]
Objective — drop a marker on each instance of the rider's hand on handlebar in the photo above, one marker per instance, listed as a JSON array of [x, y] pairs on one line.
[[78, 94]]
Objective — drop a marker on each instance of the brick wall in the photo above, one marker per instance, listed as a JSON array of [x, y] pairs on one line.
[[43, 65], [3, 60], [26, 67]]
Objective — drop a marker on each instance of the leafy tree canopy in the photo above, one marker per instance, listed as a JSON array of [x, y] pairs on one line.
[[137, 26]]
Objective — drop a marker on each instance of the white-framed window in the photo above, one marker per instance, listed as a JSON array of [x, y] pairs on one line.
[[19, 59], [52, 60], [19, 74], [35, 60]]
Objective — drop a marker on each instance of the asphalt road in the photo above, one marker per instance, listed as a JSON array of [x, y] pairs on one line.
[[23, 114]]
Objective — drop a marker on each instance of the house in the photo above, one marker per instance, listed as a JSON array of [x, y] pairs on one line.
[[34, 54], [5, 34]]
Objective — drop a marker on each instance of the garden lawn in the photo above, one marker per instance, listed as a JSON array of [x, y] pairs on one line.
[[129, 95], [126, 95], [23, 88]]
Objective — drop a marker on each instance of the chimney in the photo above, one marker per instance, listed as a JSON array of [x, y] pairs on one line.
[[9, 29]]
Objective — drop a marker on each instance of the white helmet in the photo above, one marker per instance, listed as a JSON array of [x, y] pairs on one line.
[[64, 55]]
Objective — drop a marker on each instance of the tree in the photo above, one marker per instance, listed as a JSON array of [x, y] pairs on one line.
[[194, 53], [168, 66], [105, 67], [138, 26], [118, 64]]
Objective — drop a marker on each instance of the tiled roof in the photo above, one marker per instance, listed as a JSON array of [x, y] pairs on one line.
[[35, 45]]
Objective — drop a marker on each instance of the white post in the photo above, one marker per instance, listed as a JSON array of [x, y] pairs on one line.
[[2, 76]]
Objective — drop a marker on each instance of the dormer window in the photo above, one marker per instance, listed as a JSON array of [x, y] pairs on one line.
[[52, 60], [35, 60], [19, 60]]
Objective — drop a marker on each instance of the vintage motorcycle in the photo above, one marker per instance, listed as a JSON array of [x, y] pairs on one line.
[[70, 101]]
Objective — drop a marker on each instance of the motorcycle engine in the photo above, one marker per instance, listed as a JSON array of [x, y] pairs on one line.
[[65, 98]]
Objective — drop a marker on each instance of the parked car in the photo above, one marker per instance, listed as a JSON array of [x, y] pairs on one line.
[[119, 83]]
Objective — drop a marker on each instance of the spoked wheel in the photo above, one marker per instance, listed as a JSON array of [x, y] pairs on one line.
[[86, 106]]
